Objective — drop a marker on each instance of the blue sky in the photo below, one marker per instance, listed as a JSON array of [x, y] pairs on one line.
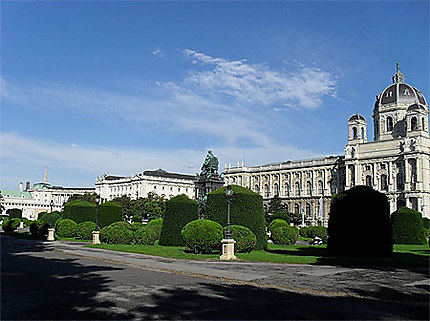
[[119, 87]]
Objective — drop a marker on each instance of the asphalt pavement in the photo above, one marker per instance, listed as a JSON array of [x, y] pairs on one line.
[[65, 281]]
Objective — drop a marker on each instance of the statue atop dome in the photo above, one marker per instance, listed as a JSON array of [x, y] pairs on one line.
[[398, 77]]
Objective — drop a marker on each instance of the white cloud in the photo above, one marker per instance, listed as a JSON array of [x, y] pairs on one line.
[[159, 53]]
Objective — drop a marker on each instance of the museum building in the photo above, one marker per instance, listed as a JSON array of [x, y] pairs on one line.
[[396, 163]]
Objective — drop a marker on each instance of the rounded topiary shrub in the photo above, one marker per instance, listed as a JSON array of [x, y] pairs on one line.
[[277, 223], [66, 228], [319, 231], [285, 235], [408, 227], [246, 210], [116, 234], [27, 222], [426, 223], [280, 215], [202, 236], [303, 231], [145, 236], [10, 224], [156, 226], [180, 210], [85, 230], [39, 229], [359, 223], [14, 213], [46, 217], [245, 239]]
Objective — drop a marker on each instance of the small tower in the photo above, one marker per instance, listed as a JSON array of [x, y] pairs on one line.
[[357, 129]]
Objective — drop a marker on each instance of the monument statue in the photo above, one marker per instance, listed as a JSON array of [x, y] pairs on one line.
[[207, 181]]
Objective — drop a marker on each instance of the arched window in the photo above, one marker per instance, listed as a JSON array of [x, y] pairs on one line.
[[369, 181], [362, 133], [257, 188], [384, 182], [389, 124], [266, 190], [400, 182], [276, 189], [414, 123], [308, 210], [297, 208], [309, 188], [320, 188], [354, 133], [287, 189], [297, 188]]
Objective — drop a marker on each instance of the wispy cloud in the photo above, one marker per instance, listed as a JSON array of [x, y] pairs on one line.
[[159, 53]]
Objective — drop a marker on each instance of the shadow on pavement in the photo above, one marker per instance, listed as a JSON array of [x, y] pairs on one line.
[[35, 286]]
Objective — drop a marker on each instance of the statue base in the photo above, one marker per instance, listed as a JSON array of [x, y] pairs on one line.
[[21, 224], [227, 250], [50, 234], [96, 237]]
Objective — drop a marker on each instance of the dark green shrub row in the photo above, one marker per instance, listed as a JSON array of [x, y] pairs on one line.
[[82, 211], [85, 230], [359, 223], [303, 232], [426, 223], [319, 231], [408, 227], [246, 210], [15, 213], [180, 210], [117, 233], [285, 235], [245, 239], [136, 225], [66, 228], [10, 224], [202, 236]]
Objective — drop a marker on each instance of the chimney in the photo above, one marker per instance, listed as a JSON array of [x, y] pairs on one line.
[[21, 186], [27, 186]]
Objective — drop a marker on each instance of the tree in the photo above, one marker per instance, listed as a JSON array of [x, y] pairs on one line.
[[275, 207], [295, 218], [88, 197], [126, 204]]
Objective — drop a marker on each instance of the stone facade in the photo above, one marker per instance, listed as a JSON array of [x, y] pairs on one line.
[[396, 163], [139, 185]]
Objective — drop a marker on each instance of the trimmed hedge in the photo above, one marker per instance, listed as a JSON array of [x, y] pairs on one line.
[[40, 214], [408, 227], [15, 213], [10, 224], [180, 210], [246, 210], [85, 230], [319, 231], [285, 235], [245, 239], [277, 223], [82, 211], [46, 217], [136, 225], [426, 223], [145, 236], [281, 215], [39, 229], [116, 234], [156, 226], [303, 231], [66, 228], [359, 223], [202, 236]]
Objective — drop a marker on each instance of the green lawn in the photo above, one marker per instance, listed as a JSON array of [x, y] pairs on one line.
[[404, 255]]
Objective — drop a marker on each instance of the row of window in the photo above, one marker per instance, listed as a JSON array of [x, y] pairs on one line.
[[287, 189]]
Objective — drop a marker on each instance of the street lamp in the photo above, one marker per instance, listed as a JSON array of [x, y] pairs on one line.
[[50, 216], [96, 233], [50, 229], [228, 242], [228, 194]]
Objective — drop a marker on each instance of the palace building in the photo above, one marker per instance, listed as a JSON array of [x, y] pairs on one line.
[[396, 162]]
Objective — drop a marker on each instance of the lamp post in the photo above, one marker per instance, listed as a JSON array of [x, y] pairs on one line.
[[96, 232], [228, 242], [50, 229]]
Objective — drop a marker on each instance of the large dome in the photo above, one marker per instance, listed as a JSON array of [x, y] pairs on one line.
[[400, 93]]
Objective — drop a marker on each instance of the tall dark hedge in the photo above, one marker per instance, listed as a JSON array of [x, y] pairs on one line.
[[46, 217], [82, 211], [359, 224], [246, 210], [407, 227], [180, 210]]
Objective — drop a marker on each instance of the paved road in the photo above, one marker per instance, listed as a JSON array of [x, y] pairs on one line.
[[58, 281]]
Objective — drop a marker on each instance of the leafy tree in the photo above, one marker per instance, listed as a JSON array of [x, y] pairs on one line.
[[88, 197], [127, 206], [295, 218], [276, 205]]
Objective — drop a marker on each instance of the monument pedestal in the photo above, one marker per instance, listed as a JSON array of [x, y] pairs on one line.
[[21, 224], [227, 250], [96, 237], [51, 234]]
